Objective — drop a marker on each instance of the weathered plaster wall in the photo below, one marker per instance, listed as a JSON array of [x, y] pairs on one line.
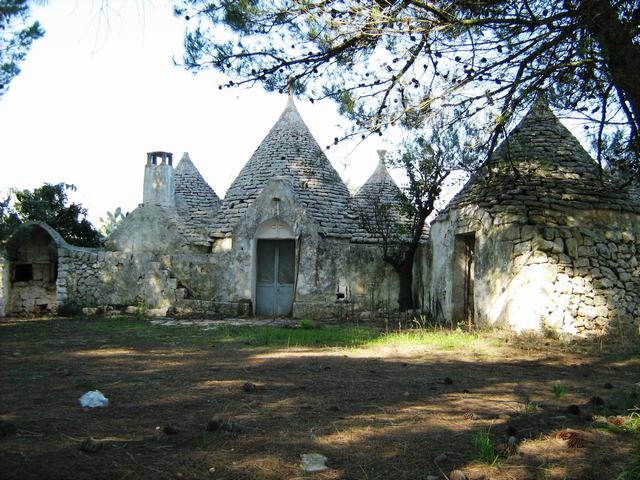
[[4, 285], [355, 271], [152, 229], [579, 274]]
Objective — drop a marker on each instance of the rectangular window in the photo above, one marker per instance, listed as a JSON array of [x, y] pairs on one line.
[[23, 273]]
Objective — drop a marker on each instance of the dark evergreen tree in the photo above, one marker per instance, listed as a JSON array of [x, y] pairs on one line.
[[49, 204]]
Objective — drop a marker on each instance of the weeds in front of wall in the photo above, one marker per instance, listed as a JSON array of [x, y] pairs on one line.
[[307, 324], [421, 322], [141, 308]]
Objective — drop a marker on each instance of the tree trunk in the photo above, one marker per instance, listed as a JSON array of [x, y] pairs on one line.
[[405, 277], [621, 53]]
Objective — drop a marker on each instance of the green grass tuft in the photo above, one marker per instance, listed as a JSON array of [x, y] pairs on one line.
[[559, 391], [484, 447], [307, 323]]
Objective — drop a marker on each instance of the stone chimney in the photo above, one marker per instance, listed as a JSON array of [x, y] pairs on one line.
[[159, 184]]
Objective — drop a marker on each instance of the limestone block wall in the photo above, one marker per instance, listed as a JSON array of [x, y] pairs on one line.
[[578, 275], [96, 278], [37, 295]]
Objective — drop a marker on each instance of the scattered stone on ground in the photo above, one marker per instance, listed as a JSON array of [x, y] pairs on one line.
[[313, 462], [93, 399], [63, 372]]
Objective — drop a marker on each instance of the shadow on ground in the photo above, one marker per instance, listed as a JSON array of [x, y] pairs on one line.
[[382, 412]]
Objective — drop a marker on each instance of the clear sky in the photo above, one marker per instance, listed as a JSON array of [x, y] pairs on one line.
[[99, 91]]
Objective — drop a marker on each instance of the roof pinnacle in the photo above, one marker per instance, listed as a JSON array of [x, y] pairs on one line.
[[382, 154]]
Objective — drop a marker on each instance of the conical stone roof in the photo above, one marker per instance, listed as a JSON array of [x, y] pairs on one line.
[[379, 190], [196, 201], [379, 185], [289, 150], [541, 166]]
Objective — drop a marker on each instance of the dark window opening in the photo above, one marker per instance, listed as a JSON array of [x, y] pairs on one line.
[[23, 273]]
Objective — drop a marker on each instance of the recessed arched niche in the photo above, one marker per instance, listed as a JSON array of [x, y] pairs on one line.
[[274, 228]]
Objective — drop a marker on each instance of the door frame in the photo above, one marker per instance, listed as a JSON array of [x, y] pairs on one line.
[[463, 291], [272, 229]]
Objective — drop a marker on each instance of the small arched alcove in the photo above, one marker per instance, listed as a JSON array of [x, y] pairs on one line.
[[32, 253], [275, 268]]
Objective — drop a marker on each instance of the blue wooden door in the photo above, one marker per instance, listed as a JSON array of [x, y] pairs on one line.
[[275, 277]]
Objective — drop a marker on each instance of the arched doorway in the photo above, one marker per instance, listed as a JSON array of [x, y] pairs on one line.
[[33, 269], [275, 268]]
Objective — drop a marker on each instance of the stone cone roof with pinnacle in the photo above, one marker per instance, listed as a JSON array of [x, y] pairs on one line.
[[541, 166], [379, 189], [196, 201], [289, 150]]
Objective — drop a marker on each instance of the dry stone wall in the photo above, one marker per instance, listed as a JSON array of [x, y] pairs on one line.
[[581, 277], [94, 278]]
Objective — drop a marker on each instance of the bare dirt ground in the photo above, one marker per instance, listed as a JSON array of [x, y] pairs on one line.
[[225, 409]]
